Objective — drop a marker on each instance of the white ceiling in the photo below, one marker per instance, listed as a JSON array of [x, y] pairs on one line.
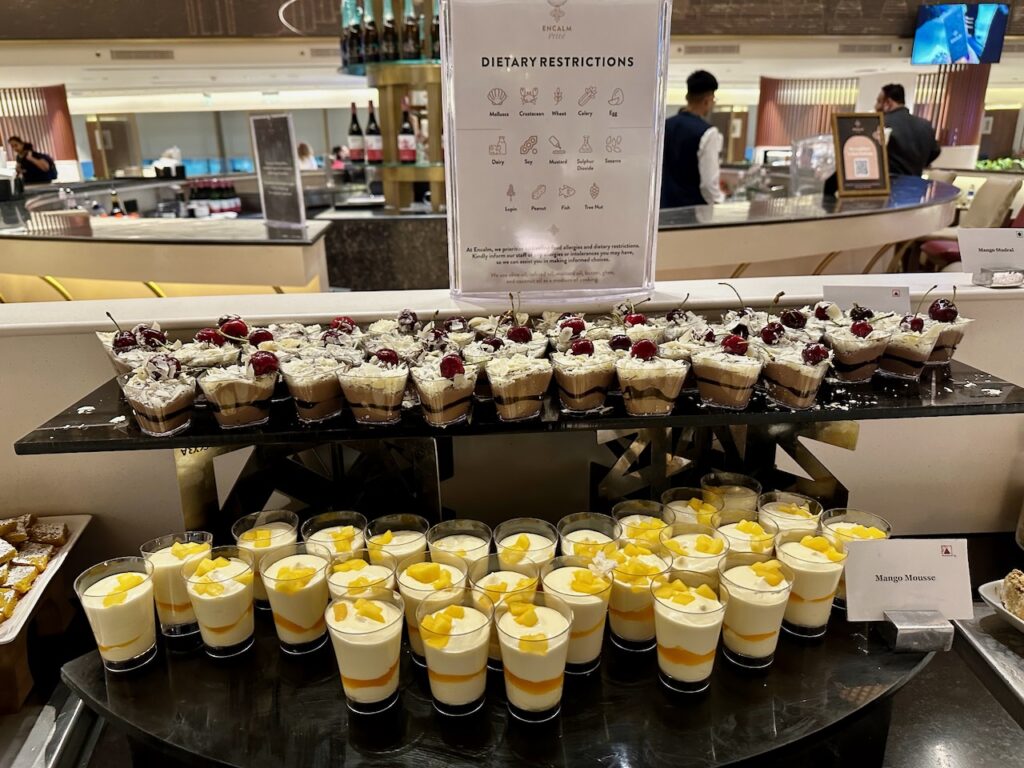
[[231, 74]]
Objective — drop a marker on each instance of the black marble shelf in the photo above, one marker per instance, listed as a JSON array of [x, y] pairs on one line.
[[268, 709], [103, 421]]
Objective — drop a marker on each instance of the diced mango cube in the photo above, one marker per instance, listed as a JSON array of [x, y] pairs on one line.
[[369, 610], [444, 580], [588, 583], [181, 550], [382, 539], [706, 592], [358, 585], [206, 565], [708, 545], [455, 611], [355, 564], [676, 548], [534, 643], [683, 598], [425, 573], [796, 510], [750, 527], [340, 611], [244, 578], [292, 579]]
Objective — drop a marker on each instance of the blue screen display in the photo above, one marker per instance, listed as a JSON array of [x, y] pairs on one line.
[[960, 33]]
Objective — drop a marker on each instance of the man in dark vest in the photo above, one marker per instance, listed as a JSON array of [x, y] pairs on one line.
[[689, 175], [912, 145]]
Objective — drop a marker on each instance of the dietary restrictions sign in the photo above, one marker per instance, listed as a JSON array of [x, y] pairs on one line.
[[277, 168], [554, 123]]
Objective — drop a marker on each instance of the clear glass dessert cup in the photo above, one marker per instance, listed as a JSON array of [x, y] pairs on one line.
[[753, 613], [237, 404], [642, 521], [815, 581], [366, 633], [502, 581], [117, 597], [788, 510], [520, 398], [375, 400], [694, 547], [455, 625], [734, 490], [452, 572], [855, 360], [687, 634], [295, 577], [448, 404], [585, 533], [761, 544], [353, 573], [317, 397], [692, 505], [163, 419], [630, 606], [534, 655], [650, 392], [949, 339], [469, 539], [722, 386], [583, 390], [331, 529], [907, 354], [262, 534], [223, 603], [589, 609], [170, 592], [793, 386], [839, 522], [539, 537], [399, 534]]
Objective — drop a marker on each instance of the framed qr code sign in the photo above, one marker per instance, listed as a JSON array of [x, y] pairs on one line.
[[862, 166]]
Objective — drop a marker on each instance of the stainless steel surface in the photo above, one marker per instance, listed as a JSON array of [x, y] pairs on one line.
[[1000, 647], [60, 735], [917, 631]]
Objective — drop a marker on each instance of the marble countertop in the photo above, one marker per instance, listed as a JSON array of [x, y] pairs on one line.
[[179, 231]]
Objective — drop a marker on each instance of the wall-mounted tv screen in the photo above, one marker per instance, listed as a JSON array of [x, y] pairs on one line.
[[960, 33]]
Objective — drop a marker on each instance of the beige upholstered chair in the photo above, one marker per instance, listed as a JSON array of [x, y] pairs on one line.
[[947, 177], [990, 207]]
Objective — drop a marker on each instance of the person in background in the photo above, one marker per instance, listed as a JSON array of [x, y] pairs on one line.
[[339, 156], [34, 167], [307, 161], [690, 173], [911, 146], [170, 158]]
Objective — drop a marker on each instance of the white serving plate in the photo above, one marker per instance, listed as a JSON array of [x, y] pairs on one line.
[[991, 593], [10, 629]]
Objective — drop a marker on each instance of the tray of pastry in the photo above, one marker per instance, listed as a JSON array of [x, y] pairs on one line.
[[32, 550], [1006, 597]]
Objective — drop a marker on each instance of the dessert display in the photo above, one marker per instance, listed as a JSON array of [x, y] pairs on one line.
[[354, 573], [221, 590], [726, 376], [117, 596], [735, 491], [295, 578], [418, 576], [314, 386], [518, 384], [857, 350], [534, 637], [746, 535], [455, 625], [468, 539], [161, 396], [366, 633], [817, 565], [585, 533], [262, 534], [340, 532], [849, 526], [168, 555], [1011, 593], [953, 327], [399, 535], [240, 395], [633, 569], [788, 510], [129, 350], [374, 389], [910, 347], [445, 388], [755, 593], [688, 621], [650, 384], [526, 538], [691, 505], [584, 374], [587, 594], [27, 546], [642, 521], [695, 547]]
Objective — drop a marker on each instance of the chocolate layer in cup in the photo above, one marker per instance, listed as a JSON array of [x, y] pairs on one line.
[[725, 380]]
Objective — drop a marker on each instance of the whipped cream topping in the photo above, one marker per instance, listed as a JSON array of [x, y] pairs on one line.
[[243, 373], [142, 388], [845, 338], [724, 359], [203, 354], [630, 364], [383, 327], [407, 347], [343, 355], [515, 366], [603, 358], [429, 371], [314, 369], [375, 369], [284, 331]]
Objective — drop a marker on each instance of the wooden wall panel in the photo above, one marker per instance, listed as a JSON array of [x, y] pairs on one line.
[[41, 116], [797, 109]]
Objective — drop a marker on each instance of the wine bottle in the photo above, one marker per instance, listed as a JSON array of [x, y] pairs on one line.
[[356, 142], [374, 141], [435, 32], [406, 137], [410, 32], [115, 204], [343, 11], [371, 37], [356, 54], [389, 35]]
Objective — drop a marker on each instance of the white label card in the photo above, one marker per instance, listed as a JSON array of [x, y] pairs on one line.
[[554, 121], [880, 298], [991, 248], [909, 575]]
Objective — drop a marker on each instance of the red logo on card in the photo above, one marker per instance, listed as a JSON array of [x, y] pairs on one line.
[[947, 551]]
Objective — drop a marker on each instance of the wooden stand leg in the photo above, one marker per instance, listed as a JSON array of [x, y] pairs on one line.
[[15, 678]]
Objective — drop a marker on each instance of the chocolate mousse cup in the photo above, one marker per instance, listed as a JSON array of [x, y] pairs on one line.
[[650, 387], [908, 353], [583, 382], [725, 380], [162, 419], [793, 385], [445, 401], [375, 400], [855, 359], [949, 338], [237, 403], [519, 394], [316, 399]]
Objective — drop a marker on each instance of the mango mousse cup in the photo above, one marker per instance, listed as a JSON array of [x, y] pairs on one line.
[[469, 539], [817, 562], [586, 593], [755, 592], [526, 538], [692, 505], [418, 576], [262, 534], [632, 567], [455, 626], [850, 526], [642, 521], [502, 581], [734, 490], [688, 616], [788, 510], [352, 573], [173, 608], [296, 580], [117, 596], [220, 587], [584, 533], [341, 531]]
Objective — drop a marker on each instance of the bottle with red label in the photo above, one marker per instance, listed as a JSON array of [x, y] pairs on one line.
[[406, 137], [374, 140], [356, 142]]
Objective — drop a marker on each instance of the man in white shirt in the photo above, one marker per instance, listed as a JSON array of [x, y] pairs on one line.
[[690, 174]]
